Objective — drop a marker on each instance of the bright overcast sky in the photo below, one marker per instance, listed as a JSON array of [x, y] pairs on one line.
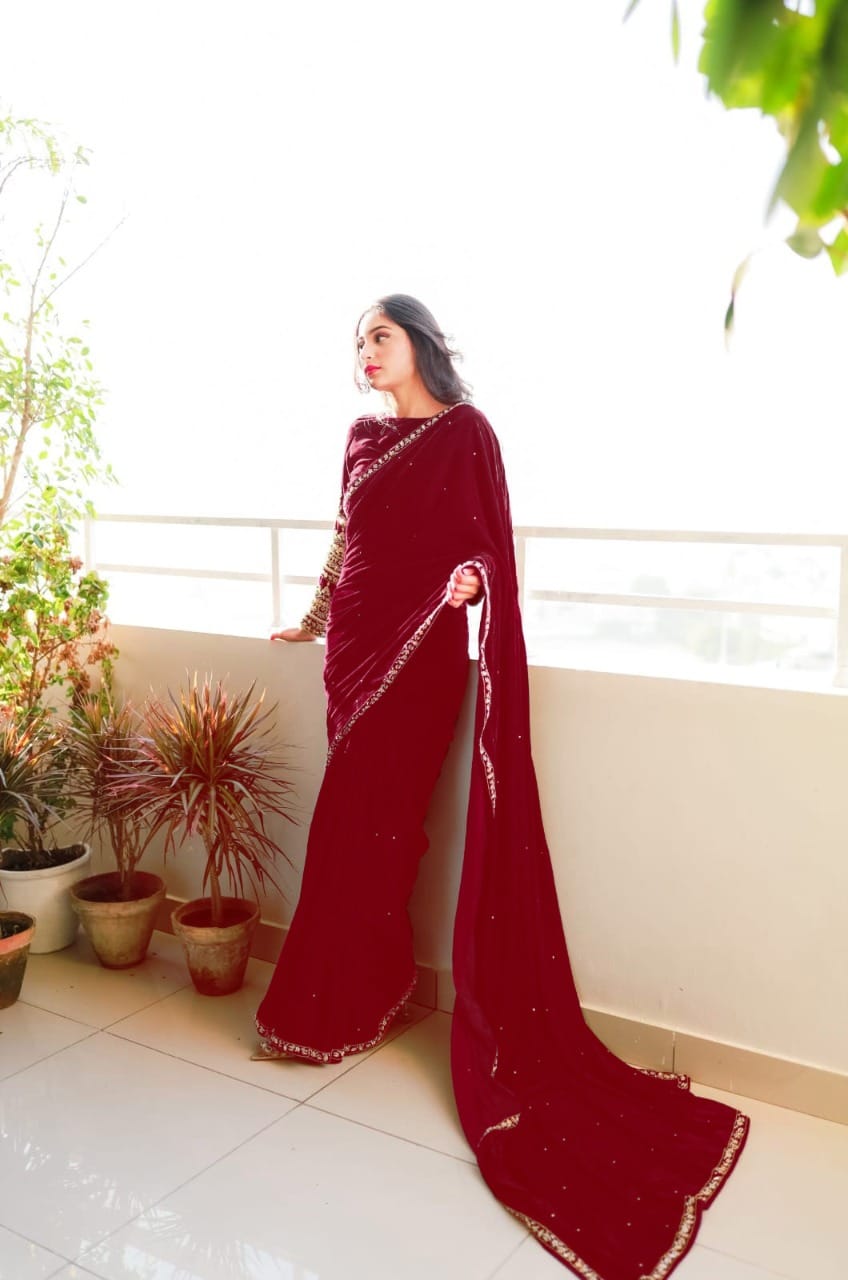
[[542, 177]]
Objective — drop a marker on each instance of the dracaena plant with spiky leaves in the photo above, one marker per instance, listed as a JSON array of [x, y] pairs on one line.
[[101, 739], [33, 779], [207, 765]]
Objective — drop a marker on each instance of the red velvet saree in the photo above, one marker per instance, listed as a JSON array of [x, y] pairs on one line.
[[608, 1165]]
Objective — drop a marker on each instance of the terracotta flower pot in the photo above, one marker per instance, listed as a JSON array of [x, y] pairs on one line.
[[16, 930], [217, 956], [119, 930]]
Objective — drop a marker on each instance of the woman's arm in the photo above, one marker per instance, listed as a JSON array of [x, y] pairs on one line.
[[293, 634], [314, 622]]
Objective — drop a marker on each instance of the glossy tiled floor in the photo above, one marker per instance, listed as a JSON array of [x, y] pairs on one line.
[[139, 1142]]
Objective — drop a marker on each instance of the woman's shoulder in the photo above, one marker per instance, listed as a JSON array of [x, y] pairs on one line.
[[469, 415], [464, 419], [366, 425], [365, 422], [470, 423]]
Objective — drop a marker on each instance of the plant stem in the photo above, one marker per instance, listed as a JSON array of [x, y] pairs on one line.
[[215, 895], [26, 416]]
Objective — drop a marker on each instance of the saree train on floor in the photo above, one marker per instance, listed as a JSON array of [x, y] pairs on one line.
[[608, 1165]]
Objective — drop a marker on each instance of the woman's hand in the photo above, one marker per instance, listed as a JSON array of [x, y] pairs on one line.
[[294, 635], [464, 586]]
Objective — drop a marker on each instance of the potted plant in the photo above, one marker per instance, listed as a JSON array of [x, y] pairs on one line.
[[118, 908], [34, 877], [207, 767], [53, 638], [52, 629], [16, 930]]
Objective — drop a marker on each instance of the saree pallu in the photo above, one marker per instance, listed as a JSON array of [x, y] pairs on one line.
[[610, 1166]]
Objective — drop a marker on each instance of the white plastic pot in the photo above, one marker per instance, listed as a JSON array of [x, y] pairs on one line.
[[45, 895]]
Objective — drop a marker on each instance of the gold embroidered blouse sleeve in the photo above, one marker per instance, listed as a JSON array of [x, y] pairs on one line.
[[315, 618]]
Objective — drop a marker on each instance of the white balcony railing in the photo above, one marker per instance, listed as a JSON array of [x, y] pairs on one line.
[[544, 566]]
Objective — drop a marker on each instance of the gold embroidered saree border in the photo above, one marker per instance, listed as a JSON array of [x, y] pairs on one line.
[[509, 1123], [688, 1221], [396, 448], [556, 1246], [682, 1082], [309, 1054], [388, 680], [486, 678], [735, 1143], [412, 644]]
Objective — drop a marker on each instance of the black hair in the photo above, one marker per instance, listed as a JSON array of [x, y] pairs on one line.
[[433, 356]]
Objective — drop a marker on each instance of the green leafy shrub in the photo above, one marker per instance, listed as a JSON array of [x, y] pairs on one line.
[[53, 631]]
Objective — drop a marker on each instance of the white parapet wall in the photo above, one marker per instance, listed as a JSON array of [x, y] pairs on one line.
[[699, 834], [700, 838]]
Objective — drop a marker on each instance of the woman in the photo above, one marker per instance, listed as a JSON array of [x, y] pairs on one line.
[[610, 1166]]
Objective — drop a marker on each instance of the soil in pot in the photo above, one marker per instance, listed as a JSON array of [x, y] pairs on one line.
[[119, 927], [16, 930], [217, 955], [198, 914], [39, 859]]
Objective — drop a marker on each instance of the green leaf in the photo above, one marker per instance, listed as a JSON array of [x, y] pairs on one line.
[[630, 8], [838, 127], [806, 242], [832, 194], [739, 275], [730, 315], [729, 318], [675, 31], [838, 253], [803, 173]]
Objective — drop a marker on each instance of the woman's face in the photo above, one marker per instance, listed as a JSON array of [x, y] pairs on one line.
[[386, 354]]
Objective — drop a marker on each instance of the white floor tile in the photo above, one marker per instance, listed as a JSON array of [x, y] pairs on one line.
[[405, 1090], [73, 1271], [531, 1262], [28, 1034], [20, 1259], [220, 1033], [316, 1197], [95, 1134], [146, 1147], [784, 1207], [707, 1264], [74, 983]]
